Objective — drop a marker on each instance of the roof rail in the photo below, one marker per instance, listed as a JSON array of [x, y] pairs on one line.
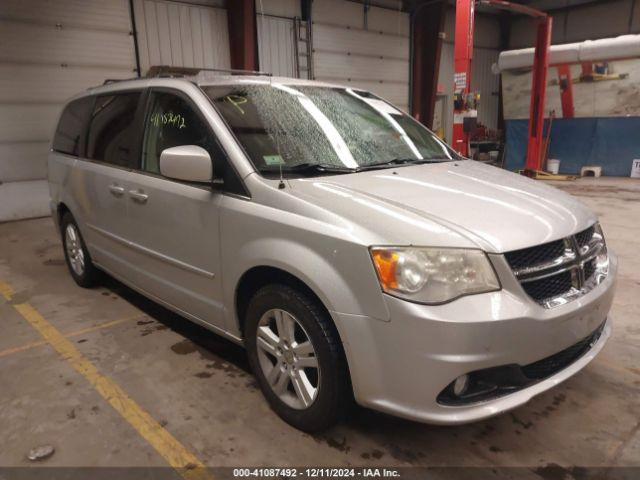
[[116, 80], [170, 71]]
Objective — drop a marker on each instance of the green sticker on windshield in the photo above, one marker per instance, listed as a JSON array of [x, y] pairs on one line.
[[273, 159]]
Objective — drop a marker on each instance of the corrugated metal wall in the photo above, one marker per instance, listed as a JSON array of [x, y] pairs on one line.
[[48, 52], [485, 54], [280, 8], [483, 80], [445, 85], [181, 35], [276, 45], [588, 22], [277, 37], [368, 51]]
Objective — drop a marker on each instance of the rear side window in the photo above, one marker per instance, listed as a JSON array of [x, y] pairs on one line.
[[72, 124], [112, 133]]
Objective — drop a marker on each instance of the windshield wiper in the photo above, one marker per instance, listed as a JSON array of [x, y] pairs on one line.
[[306, 168], [404, 161]]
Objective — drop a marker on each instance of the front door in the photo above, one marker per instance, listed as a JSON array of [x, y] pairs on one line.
[[174, 225]]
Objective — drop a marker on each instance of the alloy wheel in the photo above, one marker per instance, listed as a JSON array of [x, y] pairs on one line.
[[288, 359], [75, 253]]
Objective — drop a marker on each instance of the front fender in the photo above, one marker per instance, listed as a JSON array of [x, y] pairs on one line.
[[338, 271]]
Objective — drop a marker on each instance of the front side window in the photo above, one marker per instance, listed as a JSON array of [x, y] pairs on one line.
[[112, 132], [292, 128], [172, 122], [72, 124]]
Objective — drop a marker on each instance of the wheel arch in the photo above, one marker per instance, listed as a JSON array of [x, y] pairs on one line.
[[259, 276], [61, 209]]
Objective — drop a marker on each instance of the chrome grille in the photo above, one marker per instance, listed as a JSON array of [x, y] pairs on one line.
[[557, 272], [589, 269]]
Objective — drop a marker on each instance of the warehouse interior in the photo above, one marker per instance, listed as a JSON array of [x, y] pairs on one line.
[[106, 377], [52, 50]]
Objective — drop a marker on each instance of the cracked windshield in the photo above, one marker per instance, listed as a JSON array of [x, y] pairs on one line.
[[305, 130]]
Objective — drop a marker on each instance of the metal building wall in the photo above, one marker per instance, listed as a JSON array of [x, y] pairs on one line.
[[445, 87], [483, 80], [181, 35], [588, 22], [367, 51], [48, 52], [276, 45], [278, 8], [277, 36]]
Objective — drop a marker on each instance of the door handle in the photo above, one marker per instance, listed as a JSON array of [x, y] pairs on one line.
[[138, 196], [116, 190]]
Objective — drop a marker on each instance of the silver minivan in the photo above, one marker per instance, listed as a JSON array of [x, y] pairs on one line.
[[351, 251]]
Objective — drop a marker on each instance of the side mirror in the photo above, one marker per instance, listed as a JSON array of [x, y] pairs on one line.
[[186, 162]]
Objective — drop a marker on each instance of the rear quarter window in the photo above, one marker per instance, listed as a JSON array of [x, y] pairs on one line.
[[112, 134], [68, 137]]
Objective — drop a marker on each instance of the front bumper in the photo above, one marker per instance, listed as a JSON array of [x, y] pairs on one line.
[[400, 367]]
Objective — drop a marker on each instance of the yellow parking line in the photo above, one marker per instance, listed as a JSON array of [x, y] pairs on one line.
[[22, 348], [6, 291], [183, 461], [100, 326], [28, 346]]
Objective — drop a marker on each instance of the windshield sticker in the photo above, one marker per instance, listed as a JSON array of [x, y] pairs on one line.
[[273, 159], [236, 101], [168, 118]]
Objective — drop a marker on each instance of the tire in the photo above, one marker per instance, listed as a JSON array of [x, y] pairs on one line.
[[77, 257], [308, 411]]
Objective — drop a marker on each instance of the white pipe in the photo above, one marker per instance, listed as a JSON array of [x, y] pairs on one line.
[[625, 46]]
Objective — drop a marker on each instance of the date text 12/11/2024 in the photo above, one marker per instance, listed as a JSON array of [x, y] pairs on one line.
[[320, 472]]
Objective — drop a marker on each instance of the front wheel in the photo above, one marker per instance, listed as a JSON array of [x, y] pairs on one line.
[[297, 357], [76, 254]]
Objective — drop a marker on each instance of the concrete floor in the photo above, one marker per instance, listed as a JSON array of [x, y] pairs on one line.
[[197, 386]]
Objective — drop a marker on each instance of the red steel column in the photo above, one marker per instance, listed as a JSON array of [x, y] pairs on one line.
[[463, 54], [241, 17], [538, 92], [566, 90]]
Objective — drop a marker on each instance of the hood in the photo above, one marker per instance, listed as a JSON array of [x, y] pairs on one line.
[[457, 202]]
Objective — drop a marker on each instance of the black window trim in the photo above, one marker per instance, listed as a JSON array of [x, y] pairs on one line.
[[214, 186]]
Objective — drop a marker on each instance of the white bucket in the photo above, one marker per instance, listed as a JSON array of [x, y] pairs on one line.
[[635, 168], [553, 166]]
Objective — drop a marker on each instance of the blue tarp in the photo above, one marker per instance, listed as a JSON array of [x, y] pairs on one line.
[[611, 142]]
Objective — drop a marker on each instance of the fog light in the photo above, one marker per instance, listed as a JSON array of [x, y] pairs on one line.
[[460, 385]]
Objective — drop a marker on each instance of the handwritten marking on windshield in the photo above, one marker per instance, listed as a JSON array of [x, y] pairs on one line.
[[236, 101]]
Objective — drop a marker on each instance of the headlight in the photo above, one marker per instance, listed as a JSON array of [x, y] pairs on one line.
[[433, 275]]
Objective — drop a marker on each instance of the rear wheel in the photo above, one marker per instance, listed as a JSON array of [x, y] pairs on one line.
[[76, 254], [296, 355]]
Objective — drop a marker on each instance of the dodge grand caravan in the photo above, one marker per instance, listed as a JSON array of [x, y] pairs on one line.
[[346, 247]]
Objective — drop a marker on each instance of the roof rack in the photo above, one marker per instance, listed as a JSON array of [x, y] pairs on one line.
[[170, 71], [116, 80]]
